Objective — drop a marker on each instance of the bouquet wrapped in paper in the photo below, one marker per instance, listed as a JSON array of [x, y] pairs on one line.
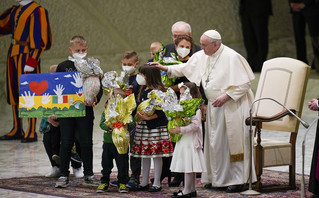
[[154, 102], [117, 115], [169, 60], [179, 112], [90, 72]]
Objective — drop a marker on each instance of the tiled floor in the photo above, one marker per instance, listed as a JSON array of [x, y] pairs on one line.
[[29, 159]]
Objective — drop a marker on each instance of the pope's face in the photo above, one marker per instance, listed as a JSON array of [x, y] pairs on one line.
[[207, 45]]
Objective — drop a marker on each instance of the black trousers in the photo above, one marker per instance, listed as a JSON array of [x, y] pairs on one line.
[[83, 126], [51, 142], [300, 20], [255, 34], [109, 153]]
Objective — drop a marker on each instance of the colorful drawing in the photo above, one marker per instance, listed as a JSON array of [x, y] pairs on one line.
[[46, 94]]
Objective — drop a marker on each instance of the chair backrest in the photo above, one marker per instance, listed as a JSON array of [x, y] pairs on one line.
[[285, 80]]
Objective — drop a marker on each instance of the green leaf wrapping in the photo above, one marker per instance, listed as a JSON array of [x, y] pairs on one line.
[[182, 118]]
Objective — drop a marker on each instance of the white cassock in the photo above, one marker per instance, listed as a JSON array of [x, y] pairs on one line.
[[226, 144]]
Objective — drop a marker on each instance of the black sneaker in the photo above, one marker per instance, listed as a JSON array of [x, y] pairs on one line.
[[89, 180], [131, 183], [114, 183], [75, 157]]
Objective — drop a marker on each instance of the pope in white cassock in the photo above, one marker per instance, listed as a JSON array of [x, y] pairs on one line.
[[226, 78]]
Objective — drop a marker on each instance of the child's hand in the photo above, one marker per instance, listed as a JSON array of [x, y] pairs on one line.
[[93, 104], [142, 115], [52, 119], [176, 130]]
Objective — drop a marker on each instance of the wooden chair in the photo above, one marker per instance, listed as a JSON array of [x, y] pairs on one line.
[[284, 80]]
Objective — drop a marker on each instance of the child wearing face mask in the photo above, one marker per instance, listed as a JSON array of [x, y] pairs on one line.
[[188, 157], [129, 64], [80, 126], [151, 138]]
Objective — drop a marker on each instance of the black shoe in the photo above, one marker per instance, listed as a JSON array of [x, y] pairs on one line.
[[140, 188], [28, 140], [180, 194], [154, 189], [208, 186], [175, 183], [219, 188], [7, 137], [234, 189]]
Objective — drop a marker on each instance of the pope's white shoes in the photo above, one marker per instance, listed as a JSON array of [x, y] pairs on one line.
[[55, 172], [78, 172]]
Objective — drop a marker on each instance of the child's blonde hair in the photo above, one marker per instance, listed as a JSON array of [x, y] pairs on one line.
[[78, 40], [155, 46]]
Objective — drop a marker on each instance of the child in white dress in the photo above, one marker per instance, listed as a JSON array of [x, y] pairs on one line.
[[188, 157]]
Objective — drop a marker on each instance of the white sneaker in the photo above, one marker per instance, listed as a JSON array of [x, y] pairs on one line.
[[56, 158], [78, 172], [55, 172]]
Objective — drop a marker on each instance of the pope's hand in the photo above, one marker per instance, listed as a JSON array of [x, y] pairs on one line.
[[59, 89], [77, 80], [159, 66], [313, 105], [46, 98], [28, 99], [28, 68], [221, 100]]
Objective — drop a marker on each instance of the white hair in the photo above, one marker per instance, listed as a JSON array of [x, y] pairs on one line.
[[182, 24]]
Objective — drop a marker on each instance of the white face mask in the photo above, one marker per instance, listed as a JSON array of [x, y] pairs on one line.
[[140, 80], [128, 69], [79, 56], [183, 52]]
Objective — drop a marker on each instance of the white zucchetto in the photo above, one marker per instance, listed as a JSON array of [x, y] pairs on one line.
[[213, 34]]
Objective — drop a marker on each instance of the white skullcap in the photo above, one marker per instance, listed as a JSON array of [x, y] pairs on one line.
[[213, 34]]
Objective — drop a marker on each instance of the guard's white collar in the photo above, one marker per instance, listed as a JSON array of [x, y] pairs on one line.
[[25, 2]]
